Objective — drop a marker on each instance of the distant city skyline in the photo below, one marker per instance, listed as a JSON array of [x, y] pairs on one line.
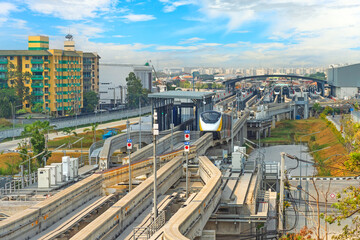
[[202, 33]]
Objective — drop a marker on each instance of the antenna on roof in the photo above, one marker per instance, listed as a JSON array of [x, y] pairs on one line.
[[69, 37]]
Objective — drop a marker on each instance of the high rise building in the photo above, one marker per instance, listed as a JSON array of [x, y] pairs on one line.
[[58, 77]]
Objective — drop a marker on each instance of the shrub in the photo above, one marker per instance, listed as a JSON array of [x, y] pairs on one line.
[[21, 111], [4, 123]]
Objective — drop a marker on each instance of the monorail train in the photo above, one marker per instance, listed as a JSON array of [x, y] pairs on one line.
[[277, 90], [216, 122]]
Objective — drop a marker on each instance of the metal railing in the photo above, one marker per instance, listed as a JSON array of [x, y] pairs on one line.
[[145, 233], [15, 185]]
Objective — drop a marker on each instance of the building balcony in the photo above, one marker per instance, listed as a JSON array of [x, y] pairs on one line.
[[37, 77], [37, 61], [47, 60], [3, 70], [38, 93], [47, 76], [47, 69], [47, 100], [48, 93], [3, 61], [47, 84], [38, 101], [37, 85], [37, 69], [3, 85]]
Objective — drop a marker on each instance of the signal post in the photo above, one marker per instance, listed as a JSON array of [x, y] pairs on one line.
[[186, 150]]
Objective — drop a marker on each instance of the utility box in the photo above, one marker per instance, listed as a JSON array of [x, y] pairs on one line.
[[237, 162], [75, 165], [58, 174], [52, 174], [238, 158], [66, 168], [43, 178], [71, 169]]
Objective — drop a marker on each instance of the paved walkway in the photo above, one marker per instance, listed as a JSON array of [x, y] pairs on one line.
[[12, 145], [336, 121]]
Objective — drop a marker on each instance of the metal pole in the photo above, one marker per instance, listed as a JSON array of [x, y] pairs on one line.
[[82, 162], [140, 123], [172, 140], [13, 110], [281, 205], [130, 178], [29, 171], [155, 184], [307, 195], [187, 175], [155, 132], [232, 131], [22, 176]]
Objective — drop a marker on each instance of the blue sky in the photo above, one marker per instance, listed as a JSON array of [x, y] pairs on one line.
[[205, 33]]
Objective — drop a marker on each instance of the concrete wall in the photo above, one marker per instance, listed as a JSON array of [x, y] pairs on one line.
[[345, 92], [345, 76], [82, 120]]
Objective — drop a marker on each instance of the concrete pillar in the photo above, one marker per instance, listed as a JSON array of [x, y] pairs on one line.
[[273, 121], [257, 135]]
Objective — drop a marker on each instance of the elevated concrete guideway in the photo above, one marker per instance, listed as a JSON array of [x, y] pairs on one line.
[[230, 84]]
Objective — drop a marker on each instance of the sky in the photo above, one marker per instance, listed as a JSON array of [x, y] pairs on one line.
[[193, 33]]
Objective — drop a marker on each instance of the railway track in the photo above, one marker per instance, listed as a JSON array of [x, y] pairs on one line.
[[66, 230]]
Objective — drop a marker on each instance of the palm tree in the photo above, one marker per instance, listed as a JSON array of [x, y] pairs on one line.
[[93, 129], [68, 131]]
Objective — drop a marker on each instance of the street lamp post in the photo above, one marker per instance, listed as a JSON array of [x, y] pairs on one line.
[[13, 108], [301, 163], [155, 133], [139, 123]]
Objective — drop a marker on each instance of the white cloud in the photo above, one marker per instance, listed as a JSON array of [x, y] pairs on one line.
[[71, 9], [6, 8], [191, 40], [120, 36], [171, 6], [84, 30], [171, 48], [138, 17]]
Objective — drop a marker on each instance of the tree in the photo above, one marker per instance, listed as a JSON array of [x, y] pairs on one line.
[[135, 91], [7, 97], [68, 131], [93, 129], [17, 81], [37, 131], [37, 108], [91, 100], [317, 108], [348, 204]]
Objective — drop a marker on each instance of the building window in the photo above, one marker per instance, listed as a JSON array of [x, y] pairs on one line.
[[27, 58], [27, 105], [11, 57], [27, 65]]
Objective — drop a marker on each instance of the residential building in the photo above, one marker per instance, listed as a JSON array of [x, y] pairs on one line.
[[58, 79]]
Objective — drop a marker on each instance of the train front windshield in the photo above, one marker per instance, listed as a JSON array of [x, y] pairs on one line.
[[210, 117]]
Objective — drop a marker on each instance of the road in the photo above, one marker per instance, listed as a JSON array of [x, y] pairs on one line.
[[331, 187], [12, 145]]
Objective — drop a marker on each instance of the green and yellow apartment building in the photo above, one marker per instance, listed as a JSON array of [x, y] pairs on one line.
[[58, 79]]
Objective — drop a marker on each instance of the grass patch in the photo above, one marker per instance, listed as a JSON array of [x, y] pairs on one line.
[[292, 131]]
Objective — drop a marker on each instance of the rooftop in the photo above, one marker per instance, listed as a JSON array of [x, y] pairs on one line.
[[182, 95], [24, 53]]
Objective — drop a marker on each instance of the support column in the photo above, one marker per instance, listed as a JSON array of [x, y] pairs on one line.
[[273, 121]]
